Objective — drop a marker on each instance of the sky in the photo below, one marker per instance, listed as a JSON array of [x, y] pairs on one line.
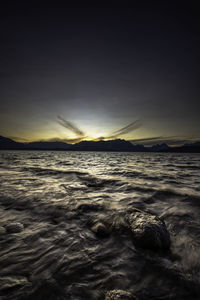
[[90, 70]]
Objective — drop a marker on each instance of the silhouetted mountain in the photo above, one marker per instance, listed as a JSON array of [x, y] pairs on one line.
[[8, 144], [186, 148], [190, 148], [196, 144], [140, 148], [159, 147], [48, 146], [112, 145]]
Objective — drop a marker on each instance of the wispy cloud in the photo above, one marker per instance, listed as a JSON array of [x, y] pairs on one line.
[[81, 135], [149, 139], [171, 140], [128, 128], [18, 139], [124, 130], [70, 126], [64, 140], [100, 138]]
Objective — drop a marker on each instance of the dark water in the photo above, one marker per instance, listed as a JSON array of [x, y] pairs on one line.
[[53, 253]]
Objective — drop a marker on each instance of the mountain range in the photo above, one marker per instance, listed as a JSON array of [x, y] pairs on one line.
[[110, 145]]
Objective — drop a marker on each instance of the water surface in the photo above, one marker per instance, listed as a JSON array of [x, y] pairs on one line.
[[55, 254]]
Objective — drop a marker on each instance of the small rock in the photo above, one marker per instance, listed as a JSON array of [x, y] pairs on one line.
[[100, 230], [148, 231], [14, 227], [120, 295]]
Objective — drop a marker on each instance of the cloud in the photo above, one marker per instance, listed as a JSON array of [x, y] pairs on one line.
[[74, 141], [18, 139], [171, 140], [117, 133], [64, 140], [100, 138], [146, 140], [81, 135], [70, 126], [124, 130]]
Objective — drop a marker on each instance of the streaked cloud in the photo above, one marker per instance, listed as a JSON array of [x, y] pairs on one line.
[[18, 139], [64, 140], [171, 140], [69, 125], [128, 128]]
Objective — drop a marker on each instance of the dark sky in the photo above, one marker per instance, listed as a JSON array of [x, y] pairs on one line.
[[109, 69]]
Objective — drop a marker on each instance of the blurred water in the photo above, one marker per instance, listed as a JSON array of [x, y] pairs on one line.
[[55, 255]]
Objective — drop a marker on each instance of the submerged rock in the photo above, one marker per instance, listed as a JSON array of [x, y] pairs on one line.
[[148, 231], [14, 227], [120, 295], [100, 230]]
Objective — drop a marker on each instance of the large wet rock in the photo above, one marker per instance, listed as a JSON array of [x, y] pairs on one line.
[[14, 227], [120, 295], [148, 231]]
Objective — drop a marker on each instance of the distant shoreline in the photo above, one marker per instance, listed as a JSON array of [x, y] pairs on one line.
[[117, 145], [70, 150]]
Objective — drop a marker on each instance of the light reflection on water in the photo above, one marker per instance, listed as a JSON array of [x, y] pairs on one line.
[[56, 252]]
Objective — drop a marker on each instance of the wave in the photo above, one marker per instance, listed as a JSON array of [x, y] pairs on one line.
[[45, 171]]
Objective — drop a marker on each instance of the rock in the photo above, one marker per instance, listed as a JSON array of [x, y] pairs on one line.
[[2, 230], [148, 231], [14, 227], [120, 295], [100, 230]]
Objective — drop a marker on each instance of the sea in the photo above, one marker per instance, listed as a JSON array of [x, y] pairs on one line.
[[49, 201]]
